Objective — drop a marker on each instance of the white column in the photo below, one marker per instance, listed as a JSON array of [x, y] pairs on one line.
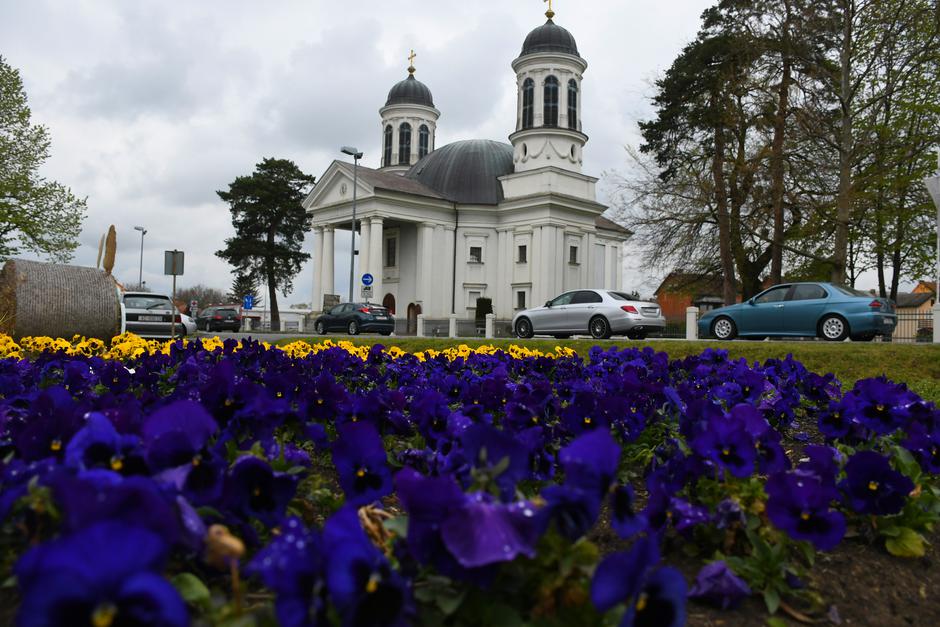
[[317, 260], [535, 272], [619, 270], [549, 268], [420, 326], [438, 276], [425, 262], [452, 325], [504, 271], [448, 277], [326, 266], [365, 247], [489, 325], [377, 257]]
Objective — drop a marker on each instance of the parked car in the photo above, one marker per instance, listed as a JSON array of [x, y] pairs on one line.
[[832, 312], [150, 315], [601, 313], [219, 318], [356, 318], [189, 324]]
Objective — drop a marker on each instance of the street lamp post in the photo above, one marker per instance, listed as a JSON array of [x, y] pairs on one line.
[[933, 186], [356, 155], [140, 274]]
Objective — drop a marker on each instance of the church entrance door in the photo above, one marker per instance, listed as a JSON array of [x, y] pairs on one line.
[[413, 311], [389, 303]]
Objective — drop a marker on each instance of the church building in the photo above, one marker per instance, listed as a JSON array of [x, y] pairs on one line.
[[438, 228]]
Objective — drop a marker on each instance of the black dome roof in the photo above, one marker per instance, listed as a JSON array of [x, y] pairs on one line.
[[410, 91], [466, 171], [550, 37]]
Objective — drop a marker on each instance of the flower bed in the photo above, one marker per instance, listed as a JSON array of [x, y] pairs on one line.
[[214, 481]]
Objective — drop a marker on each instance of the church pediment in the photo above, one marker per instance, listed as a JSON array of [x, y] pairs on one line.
[[336, 187]]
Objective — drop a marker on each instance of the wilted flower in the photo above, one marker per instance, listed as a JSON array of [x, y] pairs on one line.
[[717, 585]]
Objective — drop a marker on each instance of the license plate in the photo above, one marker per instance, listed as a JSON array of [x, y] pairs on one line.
[[381, 317], [150, 318]]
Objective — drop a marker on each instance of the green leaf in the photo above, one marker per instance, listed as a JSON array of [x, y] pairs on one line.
[[397, 525], [776, 621], [191, 589], [908, 543], [772, 600]]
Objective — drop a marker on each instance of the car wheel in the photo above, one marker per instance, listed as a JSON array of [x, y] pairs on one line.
[[724, 329], [208, 327], [524, 328], [561, 336], [636, 335], [386, 333], [833, 328], [864, 337], [599, 328], [320, 328], [353, 327]]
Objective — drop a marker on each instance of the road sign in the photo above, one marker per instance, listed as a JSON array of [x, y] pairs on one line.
[[367, 291], [192, 307], [248, 301], [173, 262], [367, 279]]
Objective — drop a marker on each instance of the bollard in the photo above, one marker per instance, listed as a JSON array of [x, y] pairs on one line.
[[936, 322], [691, 323], [452, 330], [490, 318], [420, 325]]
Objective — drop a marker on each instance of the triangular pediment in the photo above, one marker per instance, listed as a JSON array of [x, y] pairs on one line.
[[336, 187]]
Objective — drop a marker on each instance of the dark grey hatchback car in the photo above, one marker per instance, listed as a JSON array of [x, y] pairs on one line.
[[356, 318]]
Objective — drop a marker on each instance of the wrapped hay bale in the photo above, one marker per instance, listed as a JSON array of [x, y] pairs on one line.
[[44, 299]]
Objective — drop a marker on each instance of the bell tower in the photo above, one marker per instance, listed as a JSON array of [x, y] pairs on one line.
[[409, 123]]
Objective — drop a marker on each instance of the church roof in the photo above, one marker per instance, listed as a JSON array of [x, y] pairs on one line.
[[603, 223], [466, 172], [410, 91], [550, 37], [390, 181]]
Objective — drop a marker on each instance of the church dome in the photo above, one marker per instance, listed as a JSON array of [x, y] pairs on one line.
[[466, 171], [410, 91], [550, 37]]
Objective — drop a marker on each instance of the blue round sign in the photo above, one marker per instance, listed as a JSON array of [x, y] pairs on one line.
[[367, 279]]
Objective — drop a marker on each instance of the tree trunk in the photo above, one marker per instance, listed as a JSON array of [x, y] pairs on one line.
[[846, 151], [729, 290], [272, 302], [776, 153]]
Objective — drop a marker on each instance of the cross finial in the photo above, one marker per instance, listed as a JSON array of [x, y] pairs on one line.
[[411, 62], [549, 14]]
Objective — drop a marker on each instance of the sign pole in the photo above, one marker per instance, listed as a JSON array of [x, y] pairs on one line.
[[173, 313]]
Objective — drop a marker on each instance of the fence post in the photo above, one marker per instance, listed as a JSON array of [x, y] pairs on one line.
[[452, 327], [936, 321], [420, 325], [691, 323], [489, 326]]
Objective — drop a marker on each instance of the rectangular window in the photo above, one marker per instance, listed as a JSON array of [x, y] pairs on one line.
[[391, 253], [522, 255], [572, 254], [472, 299], [476, 254], [520, 300]]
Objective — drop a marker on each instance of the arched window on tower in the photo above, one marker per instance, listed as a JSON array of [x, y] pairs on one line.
[[551, 101], [404, 144], [573, 105], [387, 147], [424, 141], [528, 103]]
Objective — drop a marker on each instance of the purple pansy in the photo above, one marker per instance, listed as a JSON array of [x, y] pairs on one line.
[[798, 504], [717, 585], [871, 486], [361, 463]]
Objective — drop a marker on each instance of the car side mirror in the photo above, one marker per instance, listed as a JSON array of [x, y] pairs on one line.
[[548, 304], [750, 301]]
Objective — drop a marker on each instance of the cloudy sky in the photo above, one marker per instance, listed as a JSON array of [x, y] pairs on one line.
[[153, 105]]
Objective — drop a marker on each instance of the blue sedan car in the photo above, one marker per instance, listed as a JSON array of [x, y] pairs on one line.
[[832, 312]]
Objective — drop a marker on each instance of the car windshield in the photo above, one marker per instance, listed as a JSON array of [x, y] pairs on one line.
[[851, 291], [146, 302]]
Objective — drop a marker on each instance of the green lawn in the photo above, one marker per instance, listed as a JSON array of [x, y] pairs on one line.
[[918, 365]]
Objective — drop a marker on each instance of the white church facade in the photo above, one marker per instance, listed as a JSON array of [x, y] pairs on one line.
[[438, 228]]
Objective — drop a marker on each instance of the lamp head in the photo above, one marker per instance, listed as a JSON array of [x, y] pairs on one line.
[[352, 152], [142, 230]]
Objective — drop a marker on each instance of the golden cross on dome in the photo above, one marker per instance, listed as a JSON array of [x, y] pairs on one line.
[[411, 62], [549, 14]]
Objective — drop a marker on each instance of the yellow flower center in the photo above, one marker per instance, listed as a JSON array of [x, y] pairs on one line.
[[726, 451], [56, 445], [228, 402], [256, 492], [103, 615], [361, 473], [117, 462], [197, 460], [373, 584], [319, 401], [641, 602], [873, 485], [587, 420], [804, 515], [880, 407]]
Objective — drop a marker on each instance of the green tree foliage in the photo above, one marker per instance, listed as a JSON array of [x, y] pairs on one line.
[[36, 215], [270, 223], [244, 285]]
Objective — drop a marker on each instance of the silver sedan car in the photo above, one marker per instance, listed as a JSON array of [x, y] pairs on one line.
[[601, 313]]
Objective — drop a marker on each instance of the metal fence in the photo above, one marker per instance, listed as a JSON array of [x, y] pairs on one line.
[[914, 326]]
